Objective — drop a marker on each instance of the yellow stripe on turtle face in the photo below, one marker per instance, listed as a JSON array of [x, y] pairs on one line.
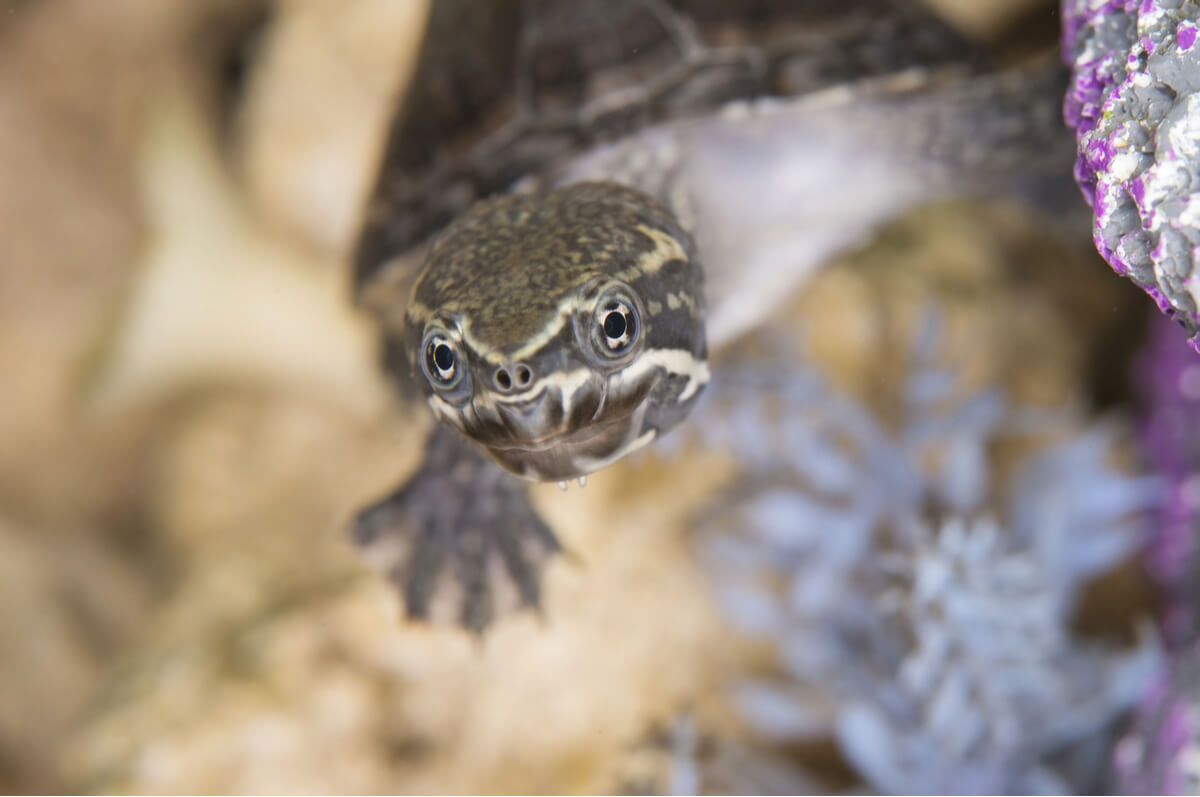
[[666, 249], [679, 362], [562, 315]]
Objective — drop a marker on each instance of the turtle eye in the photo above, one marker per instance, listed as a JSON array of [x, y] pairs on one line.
[[617, 325], [441, 361]]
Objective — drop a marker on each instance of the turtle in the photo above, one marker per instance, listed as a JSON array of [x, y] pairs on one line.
[[579, 199]]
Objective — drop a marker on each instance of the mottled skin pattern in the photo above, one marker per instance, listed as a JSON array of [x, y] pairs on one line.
[[516, 288], [506, 263]]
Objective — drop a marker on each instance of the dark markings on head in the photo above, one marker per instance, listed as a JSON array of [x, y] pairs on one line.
[[506, 266], [560, 330]]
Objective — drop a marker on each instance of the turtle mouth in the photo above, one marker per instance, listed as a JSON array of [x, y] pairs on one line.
[[569, 454], [560, 434], [578, 437]]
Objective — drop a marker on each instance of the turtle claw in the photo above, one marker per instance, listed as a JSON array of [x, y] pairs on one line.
[[460, 539]]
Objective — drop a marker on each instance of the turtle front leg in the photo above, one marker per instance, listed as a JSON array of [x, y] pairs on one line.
[[460, 539]]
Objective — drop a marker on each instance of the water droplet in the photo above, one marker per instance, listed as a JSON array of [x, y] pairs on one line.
[[562, 486], [583, 481]]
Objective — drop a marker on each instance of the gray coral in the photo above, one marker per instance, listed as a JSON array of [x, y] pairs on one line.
[[1136, 114], [919, 592]]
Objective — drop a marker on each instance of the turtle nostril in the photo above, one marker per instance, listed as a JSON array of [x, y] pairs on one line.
[[508, 377]]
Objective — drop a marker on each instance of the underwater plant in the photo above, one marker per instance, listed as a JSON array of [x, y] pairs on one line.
[[919, 586]]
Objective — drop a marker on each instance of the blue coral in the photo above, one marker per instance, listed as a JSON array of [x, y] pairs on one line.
[[919, 594]]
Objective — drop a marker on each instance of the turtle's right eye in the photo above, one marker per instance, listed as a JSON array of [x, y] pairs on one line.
[[618, 326], [441, 361], [612, 330]]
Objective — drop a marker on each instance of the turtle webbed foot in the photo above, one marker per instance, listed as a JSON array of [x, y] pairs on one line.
[[460, 539]]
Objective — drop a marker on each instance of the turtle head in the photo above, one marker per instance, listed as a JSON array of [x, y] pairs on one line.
[[560, 330]]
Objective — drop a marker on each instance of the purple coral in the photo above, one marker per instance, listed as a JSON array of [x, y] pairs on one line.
[[1171, 436], [920, 596], [1162, 753], [1134, 106]]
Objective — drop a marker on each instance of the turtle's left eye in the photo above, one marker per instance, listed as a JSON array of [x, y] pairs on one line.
[[440, 361], [617, 325]]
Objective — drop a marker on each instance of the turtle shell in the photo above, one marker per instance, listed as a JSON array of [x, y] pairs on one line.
[[505, 88]]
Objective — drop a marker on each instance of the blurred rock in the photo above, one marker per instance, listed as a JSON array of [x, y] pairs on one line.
[[278, 653], [70, 602], [985, 19], [79, 567], [320, 95], [84, 563], [1022, 308], [216, 298], [70, 222]]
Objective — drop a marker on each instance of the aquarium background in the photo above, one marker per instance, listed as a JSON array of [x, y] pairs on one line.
[[934, 527]]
